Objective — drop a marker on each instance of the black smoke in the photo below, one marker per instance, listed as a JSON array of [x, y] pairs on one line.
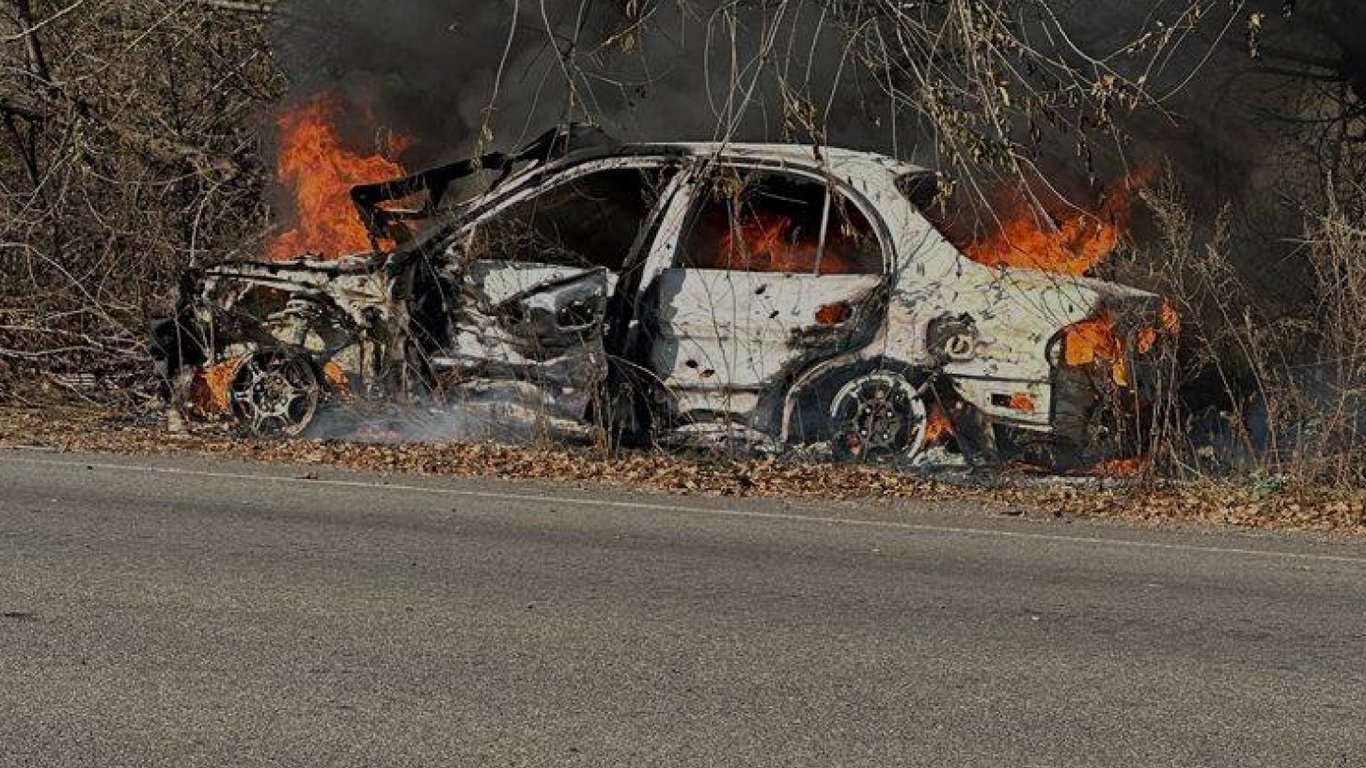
[[443, 71], [460, 75]]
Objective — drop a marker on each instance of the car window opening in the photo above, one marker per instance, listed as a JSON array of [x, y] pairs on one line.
[[591, 221], [769, 222]]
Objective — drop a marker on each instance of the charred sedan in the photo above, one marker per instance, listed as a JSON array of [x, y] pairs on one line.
[[769, 293]]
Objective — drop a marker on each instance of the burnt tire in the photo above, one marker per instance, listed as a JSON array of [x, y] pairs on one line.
[[276, 393], [878, 417]]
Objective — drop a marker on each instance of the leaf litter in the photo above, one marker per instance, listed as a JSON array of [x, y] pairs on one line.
[[1319, 509]]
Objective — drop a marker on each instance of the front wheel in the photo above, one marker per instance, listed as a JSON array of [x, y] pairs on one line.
[[880, 417], [276, 393]]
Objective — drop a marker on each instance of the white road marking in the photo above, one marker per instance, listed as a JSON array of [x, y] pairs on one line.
[[714, 511]]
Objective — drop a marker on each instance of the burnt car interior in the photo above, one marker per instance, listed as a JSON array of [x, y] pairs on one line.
[[775, 270], [773, 222], [543, 286]]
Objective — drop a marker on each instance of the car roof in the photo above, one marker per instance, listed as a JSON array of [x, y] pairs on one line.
[[808, 156], [573, 144], [795, 154], [847, 164]]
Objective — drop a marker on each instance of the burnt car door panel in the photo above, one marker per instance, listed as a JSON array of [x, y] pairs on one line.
[[769, 273], [721, 330], [537, 281]]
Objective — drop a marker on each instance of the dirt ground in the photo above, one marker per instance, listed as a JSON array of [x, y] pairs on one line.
[[1264, 505]]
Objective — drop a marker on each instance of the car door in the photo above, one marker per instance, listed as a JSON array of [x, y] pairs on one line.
[[536, 278], [770, 271]]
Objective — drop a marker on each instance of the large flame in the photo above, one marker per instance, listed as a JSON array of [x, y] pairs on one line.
[[320, 171], [1071, 243]]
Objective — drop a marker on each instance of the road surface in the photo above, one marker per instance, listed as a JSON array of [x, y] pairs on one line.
[[194, 612]]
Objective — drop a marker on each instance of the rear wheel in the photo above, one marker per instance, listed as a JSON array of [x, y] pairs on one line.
[[879, 417]]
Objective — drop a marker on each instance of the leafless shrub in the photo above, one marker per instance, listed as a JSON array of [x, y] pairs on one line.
[[128, 151], [1335, 382], [1264, 391]]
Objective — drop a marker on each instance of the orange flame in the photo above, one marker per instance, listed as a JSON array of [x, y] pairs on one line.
[[210, 389], [320, 172], [765, 241], [1168, 323], [938, 428], [1095, 340], [1130, 467], [1091, 340], [1075, 242]]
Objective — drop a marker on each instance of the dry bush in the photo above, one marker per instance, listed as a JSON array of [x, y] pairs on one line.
[[128, 151], [1259, 390], [1333, 443]]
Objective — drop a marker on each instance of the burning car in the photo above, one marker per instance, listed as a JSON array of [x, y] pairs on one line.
[[776, 294]]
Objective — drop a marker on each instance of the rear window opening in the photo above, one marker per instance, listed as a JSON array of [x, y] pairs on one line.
[[759, 221], [922, 188]]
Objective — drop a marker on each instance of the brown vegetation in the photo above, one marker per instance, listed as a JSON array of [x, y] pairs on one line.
[[129, 150]]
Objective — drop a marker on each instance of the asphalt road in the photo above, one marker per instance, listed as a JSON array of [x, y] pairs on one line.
[[193, 612]]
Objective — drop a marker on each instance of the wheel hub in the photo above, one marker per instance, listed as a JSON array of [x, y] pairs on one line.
[[879, 422], [276, 394], [879, 416]]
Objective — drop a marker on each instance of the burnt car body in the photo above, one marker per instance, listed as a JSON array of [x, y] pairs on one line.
[[775, 294]]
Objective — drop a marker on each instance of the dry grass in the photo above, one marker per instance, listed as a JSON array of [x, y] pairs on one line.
[[1262, 391]]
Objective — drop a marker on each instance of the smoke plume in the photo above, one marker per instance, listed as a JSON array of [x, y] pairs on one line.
[[461, 76]]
